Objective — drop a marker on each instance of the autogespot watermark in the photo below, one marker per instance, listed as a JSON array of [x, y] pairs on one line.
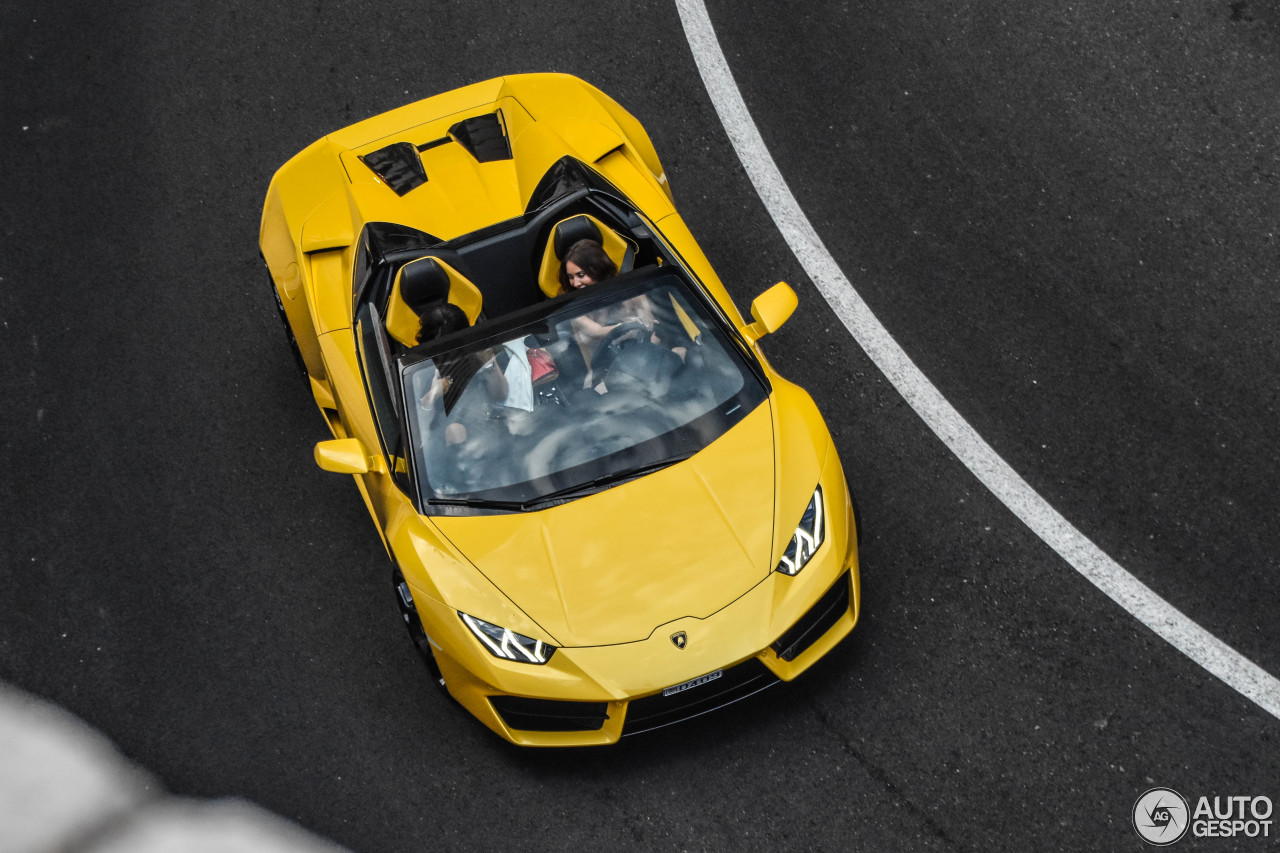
[[1162, 817]]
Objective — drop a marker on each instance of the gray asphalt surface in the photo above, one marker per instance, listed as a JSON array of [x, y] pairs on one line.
[[1065, 215]]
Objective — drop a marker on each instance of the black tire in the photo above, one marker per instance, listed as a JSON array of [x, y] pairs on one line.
[[288, 330], [413, 624]]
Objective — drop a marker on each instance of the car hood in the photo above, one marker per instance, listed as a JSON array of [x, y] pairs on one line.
[[612, 567]]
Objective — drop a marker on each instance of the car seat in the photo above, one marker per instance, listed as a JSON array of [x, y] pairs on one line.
[[621, 250], [420, 283]]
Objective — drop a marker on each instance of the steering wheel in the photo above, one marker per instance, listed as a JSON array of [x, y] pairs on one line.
[[612, 343]]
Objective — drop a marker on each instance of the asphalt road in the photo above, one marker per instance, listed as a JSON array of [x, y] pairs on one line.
[[1065, 214]]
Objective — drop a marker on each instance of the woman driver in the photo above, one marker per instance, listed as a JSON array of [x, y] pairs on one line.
[[585, 264]]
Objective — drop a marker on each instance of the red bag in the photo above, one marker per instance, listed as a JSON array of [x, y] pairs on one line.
[[542, 367]]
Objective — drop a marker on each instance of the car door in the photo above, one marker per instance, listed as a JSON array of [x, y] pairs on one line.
[[385, 487]]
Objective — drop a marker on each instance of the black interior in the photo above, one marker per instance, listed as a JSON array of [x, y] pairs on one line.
[[503, 259]]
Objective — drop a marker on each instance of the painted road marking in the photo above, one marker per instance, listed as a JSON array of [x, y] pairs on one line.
[[1240, 673]]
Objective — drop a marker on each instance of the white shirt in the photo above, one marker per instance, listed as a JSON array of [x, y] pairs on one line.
[[519, 377]]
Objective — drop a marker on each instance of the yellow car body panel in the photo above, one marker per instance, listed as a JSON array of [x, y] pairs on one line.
[[682, 239], [412, 116], [616, 674], [652, 591]]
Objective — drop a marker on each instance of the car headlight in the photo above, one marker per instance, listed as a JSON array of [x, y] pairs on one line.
[[807, 538], [507, 644]]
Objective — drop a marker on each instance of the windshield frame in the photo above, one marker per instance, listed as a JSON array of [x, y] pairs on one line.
[[570, 484]]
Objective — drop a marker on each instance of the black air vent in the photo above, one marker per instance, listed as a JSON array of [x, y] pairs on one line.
[[735, 683], [816, 622], [550, 715], [398, 165], [484, 137]]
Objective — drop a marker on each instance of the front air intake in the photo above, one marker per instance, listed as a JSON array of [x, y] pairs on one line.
[[550, 715], [814, 623]]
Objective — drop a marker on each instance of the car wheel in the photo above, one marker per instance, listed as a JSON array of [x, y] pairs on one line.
[[413, 624], [288, 330]]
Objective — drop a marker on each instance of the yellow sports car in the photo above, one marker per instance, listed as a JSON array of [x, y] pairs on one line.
[[606, 512]]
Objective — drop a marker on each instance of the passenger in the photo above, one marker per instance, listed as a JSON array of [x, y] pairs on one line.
[[440, 319]]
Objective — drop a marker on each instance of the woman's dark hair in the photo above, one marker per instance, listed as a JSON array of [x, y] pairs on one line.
[[439, 319], [591, 259]]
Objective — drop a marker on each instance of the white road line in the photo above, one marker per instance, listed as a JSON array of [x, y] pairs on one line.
[[1186, 636]]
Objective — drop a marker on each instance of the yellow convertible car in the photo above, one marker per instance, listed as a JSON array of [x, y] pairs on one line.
[[606, 512]]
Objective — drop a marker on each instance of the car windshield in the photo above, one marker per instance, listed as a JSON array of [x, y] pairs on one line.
[[611, 382]]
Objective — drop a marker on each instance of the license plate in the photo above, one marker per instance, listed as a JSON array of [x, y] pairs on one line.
[[697, 682]]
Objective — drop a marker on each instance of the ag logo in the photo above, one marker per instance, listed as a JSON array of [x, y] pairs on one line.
[[1160, 816], [680, 639]]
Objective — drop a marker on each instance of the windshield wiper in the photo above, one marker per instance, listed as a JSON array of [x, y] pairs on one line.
[[575, 490], [600, 482], [478, 503]]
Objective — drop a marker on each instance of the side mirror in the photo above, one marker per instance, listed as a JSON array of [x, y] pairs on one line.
[[770, 310], [342, 456]]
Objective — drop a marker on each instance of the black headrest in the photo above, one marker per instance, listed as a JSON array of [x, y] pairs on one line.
[[572, 230], [422, 282]]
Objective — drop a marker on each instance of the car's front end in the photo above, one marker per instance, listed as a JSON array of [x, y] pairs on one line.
[[595, 569], [686, 665]]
